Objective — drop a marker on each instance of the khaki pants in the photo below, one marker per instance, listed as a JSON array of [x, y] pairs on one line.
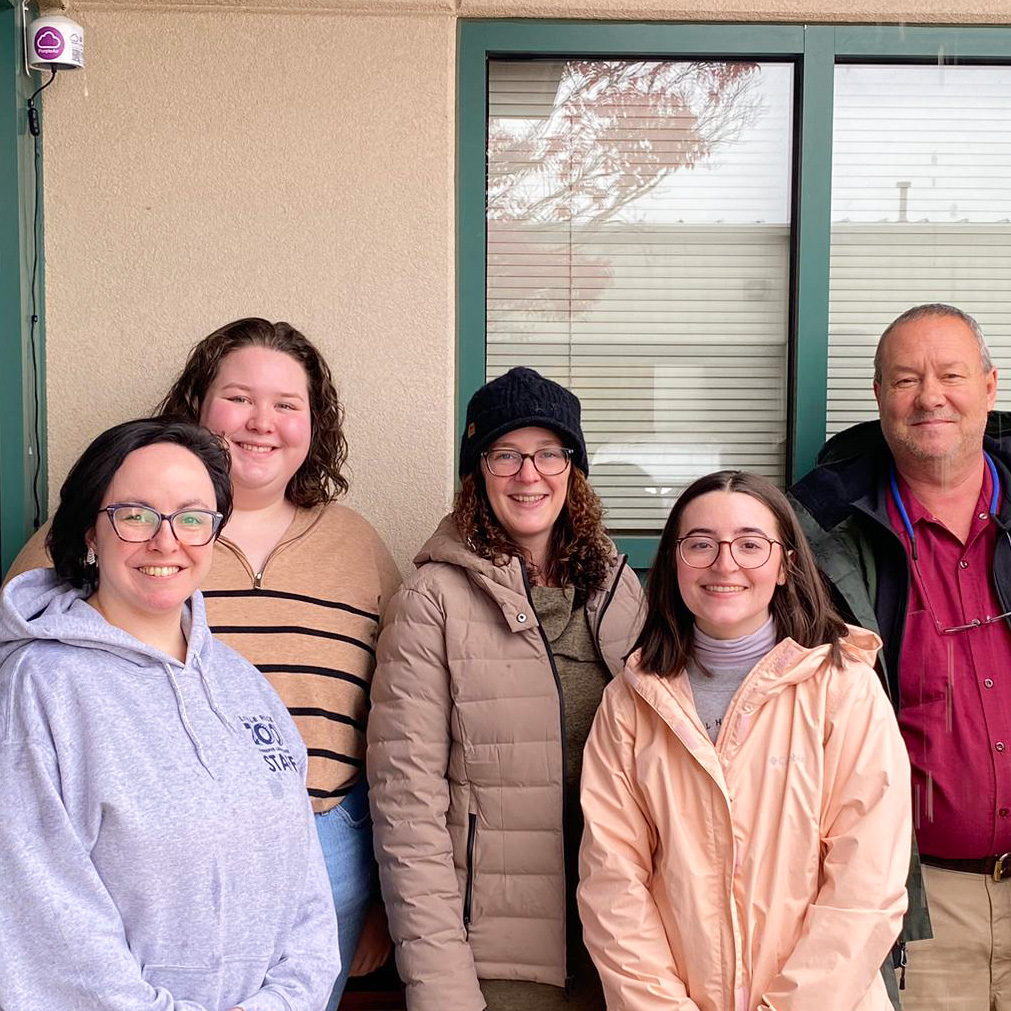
[[966, 966]]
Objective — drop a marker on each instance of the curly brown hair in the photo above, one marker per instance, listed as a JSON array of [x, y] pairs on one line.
[[581, 552], [321, 476]]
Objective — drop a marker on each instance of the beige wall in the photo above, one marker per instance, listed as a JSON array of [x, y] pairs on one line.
[[213, 165], [294, 161]]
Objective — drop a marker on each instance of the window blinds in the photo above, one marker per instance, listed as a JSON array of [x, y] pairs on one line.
[[921, 212], [638, 253]]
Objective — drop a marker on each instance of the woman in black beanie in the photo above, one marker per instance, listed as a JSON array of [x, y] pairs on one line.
[[491, 664]]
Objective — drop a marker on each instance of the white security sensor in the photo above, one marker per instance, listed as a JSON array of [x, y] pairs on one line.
[[55, 42]]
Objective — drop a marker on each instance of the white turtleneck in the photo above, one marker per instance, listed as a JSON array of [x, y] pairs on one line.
[[717, 668]]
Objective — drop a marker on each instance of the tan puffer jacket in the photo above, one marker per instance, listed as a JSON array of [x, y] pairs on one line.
[[465, 767]]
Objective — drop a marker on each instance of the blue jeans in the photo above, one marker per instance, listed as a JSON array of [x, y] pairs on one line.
[[345, 833]]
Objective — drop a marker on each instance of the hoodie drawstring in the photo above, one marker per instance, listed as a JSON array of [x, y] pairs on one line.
[[211, 700], [184, 719]]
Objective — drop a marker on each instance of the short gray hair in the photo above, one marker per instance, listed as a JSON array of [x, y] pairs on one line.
[[934, 310]]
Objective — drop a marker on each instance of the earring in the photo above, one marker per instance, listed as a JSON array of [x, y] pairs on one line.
[[90, 558]]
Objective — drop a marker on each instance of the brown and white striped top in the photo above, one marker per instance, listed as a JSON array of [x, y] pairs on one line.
[[308, 621]]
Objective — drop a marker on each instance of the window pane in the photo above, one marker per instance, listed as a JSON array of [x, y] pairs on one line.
[[638, 253], [921, 212]]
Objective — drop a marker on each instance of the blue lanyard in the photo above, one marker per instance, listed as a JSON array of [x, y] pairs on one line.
[[897, 498]]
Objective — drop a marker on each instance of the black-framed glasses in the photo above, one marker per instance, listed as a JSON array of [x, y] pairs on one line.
[[548, 462], [749, 551], [137, 523]]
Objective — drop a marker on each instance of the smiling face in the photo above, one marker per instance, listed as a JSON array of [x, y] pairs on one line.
[[259, 402], [934, 395], [141, 585], [528, 503], [726, 600]]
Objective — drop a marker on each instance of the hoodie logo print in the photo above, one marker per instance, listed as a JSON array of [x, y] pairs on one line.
[[270, 743]]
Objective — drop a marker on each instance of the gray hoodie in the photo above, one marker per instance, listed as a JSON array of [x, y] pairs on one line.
[[157, 849]]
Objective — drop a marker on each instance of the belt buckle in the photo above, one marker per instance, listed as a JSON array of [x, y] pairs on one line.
[[1002, 867]]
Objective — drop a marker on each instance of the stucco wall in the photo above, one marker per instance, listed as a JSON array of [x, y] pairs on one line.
[[213, 165], [295, 161]]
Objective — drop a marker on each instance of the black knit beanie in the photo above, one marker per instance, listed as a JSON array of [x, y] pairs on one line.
[[519, 399]]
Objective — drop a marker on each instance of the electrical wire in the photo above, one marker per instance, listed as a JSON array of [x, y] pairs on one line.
[[33, 127]]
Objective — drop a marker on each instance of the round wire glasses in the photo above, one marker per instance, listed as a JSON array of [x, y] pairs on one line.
[[749, 551]]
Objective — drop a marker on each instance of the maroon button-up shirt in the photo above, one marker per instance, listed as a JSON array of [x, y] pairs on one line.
[[955, 688]]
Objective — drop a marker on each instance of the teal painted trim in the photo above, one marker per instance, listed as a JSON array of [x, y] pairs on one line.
[[640, 550], [471, 230], [17, 189], [812, 231], [566, 38], [897, 42]]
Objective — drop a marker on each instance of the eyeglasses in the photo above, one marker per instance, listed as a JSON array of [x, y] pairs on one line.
[[951, 629], [749, 551], [508, 462], [138, 523]]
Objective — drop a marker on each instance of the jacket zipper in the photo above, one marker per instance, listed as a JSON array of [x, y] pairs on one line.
[[603, 610], [899, 961], [561, 719], [257, 577], [898, 618], [468, 894], [731, 996]]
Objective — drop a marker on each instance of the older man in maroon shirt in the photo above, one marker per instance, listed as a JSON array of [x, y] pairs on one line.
[[909, 519]]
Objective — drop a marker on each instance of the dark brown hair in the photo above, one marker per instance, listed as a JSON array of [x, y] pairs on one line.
[[321, 477], [581, 553], [801, 608], [89, 479]]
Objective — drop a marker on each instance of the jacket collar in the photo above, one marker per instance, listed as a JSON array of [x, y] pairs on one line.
[[786, 664], [505, 584], [853, 468]]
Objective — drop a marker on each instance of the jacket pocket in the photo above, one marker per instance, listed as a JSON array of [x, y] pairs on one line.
[[468, 892], [222, 984]]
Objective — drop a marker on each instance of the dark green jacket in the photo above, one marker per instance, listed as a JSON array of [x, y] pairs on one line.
[[842, 507]]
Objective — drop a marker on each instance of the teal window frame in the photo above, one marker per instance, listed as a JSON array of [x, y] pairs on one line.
[[815, 50], [17, 396]]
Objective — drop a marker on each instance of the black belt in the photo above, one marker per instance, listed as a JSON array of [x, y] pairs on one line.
[[998, 868]]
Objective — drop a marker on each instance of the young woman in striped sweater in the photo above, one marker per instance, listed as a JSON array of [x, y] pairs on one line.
[[298, 582]]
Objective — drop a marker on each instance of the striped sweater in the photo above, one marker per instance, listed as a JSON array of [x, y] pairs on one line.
[[308, 621]]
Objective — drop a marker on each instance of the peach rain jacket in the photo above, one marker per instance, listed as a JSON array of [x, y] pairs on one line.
[[765, 872]]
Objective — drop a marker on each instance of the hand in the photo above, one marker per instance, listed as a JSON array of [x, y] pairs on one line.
[[374, 945]]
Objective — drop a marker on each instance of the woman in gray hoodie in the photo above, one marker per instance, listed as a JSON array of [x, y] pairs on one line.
[[157, 850]]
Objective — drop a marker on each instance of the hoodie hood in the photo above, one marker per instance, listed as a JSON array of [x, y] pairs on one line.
[[38, 604]]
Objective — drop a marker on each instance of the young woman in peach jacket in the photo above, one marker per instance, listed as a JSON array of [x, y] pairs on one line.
[[745, 789]]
